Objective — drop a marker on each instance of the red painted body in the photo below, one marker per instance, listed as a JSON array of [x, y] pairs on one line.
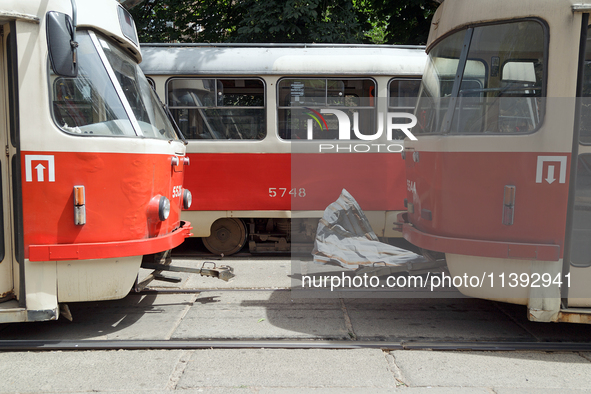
[[118, 189], [464, 193], [241, 181]]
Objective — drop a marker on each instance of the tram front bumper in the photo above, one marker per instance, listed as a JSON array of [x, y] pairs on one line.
[[106, 250]]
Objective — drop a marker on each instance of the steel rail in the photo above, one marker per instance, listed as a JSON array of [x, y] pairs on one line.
[[153, 290], [88, 345], [184, 255]]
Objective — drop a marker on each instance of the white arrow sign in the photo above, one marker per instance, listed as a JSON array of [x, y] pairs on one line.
[[40, 168], [560, 160], [550, 177]]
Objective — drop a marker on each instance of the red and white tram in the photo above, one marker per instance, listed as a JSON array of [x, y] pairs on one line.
[[246, 111], [92, 173], [498, 179]]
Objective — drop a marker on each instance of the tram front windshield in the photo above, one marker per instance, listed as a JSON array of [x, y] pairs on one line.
[[93, 103], [498, 88]]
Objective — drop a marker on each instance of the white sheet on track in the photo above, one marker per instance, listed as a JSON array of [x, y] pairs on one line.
[[344, 236]]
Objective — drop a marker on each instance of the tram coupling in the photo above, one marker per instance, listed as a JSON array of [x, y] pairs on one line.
[[222, 272], [160, 262]]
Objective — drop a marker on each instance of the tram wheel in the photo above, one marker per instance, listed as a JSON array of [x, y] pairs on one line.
[[228, 236]]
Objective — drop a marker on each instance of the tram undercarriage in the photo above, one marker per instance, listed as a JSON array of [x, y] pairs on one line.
[[230, 235], [268, 235]]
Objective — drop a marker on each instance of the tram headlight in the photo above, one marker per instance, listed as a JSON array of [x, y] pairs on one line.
[[187, 199], [163, 208], [158, 208]]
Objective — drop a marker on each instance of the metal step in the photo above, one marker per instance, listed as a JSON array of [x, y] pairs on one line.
[[575, 315], [11, 312]]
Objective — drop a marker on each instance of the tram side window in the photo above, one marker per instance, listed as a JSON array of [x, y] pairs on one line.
[[402, 97], [301, 101], [227, 109], [152, 83], [580, 248], [403, 94], [585, 100]]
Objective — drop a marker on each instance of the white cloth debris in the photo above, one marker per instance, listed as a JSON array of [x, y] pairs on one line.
[[344, 236]]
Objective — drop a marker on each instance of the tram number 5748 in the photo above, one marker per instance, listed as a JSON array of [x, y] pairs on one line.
[[281, 191]]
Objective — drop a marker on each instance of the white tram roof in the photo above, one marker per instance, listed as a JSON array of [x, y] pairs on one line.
[[282, 59], [100, 15]]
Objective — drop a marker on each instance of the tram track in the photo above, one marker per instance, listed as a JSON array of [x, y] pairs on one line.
[[236, 256], [155, 291], [90, 345]]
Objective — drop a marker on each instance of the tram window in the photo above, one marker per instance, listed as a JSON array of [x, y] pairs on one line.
[[152, 83], [402, 97], [585, 100], [509, 101], [403, 94], [227, 109], [580, 247], [73, 102], [142, 99], [89, 104], [580, 252], [301, 101], [437, 83], [502, 83], [2, 251], [12, 88], [469, 115]]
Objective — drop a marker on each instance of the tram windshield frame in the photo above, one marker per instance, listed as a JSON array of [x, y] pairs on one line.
[[111, 96]]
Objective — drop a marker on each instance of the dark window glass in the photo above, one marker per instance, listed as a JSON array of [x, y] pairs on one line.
[[501, 86], [301, 102], [226, 109]]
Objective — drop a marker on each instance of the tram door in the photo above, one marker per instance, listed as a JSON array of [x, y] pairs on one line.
[[578, 256], [7, 283]]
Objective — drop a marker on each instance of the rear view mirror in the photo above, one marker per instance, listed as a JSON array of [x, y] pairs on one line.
[[61, 45]]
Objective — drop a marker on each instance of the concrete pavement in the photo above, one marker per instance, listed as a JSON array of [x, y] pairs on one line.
[[257, 305], [294, 371]]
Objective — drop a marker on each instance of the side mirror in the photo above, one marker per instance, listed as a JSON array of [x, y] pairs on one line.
[[61, 45]]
